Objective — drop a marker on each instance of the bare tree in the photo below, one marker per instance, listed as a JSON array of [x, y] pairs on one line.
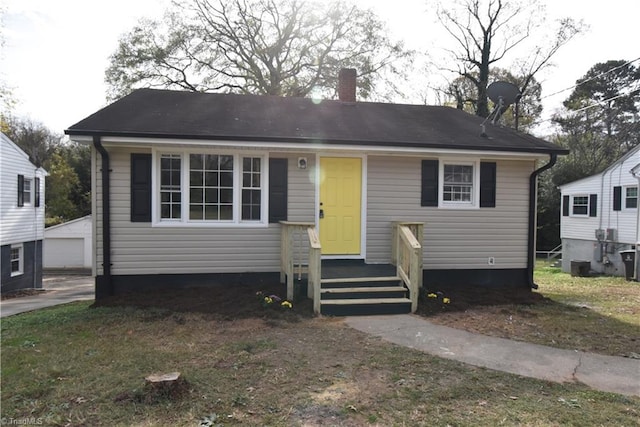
[[274, 47], [485, 31]]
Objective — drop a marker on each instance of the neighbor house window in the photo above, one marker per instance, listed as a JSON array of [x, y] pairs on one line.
[[17, 260], [213, 188], [631, 198], [580, 205], [26, 191]]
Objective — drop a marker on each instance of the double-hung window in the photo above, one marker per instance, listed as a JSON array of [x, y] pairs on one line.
[[459, 184], [170, 187], [210, 188], [580, 206], [26, 190], [631, 198], [17, 260]]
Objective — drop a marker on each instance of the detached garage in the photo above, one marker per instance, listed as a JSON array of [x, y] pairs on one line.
[[69, 245]]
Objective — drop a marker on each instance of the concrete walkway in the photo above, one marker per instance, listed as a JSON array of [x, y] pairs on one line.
[[60, 290], [605, 373]]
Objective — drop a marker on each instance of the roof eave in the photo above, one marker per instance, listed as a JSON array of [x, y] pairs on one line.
[[298, 139]]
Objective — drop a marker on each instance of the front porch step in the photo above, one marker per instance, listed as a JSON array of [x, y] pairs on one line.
[[365, 306], [364, 292], [353, 296]]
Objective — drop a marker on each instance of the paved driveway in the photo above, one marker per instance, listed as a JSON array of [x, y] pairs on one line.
[[61, 289]]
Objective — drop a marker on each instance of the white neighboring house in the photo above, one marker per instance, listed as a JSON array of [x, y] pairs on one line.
[[600, 216], [69, 245], [21, 218]]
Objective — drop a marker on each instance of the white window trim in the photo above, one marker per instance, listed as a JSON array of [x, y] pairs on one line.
[[184, 221], [20, 271], [624, 196], [571, 204], [475, 194]]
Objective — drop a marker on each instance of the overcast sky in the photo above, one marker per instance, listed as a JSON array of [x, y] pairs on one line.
[[56, 51]]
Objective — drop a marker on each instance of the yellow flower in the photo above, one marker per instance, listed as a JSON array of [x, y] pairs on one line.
[[286, 304], [432, 296], [268, 300], [446, 300]]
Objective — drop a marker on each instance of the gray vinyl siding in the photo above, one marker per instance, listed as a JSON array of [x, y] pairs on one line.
[[453, 238], [140, 248]]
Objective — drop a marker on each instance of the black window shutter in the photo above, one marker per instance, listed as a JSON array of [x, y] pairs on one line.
[[278, 182], [140, 187], [429, 195], [565, 205], [20, 190], [487, 185], [617, 198], [593, 205], [36, 189]]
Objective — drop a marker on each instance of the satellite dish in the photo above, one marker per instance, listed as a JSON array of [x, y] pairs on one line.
[[504, 93]]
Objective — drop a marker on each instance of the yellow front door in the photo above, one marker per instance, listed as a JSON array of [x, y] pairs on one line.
[[340, 201]]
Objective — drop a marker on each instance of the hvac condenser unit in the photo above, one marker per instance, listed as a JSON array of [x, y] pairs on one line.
[[611, 234]]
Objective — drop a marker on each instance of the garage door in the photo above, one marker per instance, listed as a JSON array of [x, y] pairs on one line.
[[63, 253]]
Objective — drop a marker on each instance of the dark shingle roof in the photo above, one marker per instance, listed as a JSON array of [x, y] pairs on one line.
[[189, 115]]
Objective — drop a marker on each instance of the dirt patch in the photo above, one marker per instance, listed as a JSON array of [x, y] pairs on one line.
[[21, 293]]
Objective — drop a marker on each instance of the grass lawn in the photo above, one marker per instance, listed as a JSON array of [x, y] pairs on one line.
[[73, 365]]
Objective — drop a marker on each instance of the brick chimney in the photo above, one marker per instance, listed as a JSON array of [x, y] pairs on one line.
[[347, 85]]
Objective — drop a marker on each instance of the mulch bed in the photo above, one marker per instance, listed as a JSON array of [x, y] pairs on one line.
[[241, 302], [222, 302], [462, 298]]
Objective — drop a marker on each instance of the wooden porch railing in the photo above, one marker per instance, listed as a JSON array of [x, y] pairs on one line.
[[315, 269], [297, 252], [407, 256]]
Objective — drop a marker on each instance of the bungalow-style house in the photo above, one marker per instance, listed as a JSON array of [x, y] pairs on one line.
[[21, 218], [600, 217], [201, 188]]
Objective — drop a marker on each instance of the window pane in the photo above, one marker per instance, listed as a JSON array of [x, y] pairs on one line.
[[211, 179], [226, 212], [196, 195], [211, 162], [211, 195], [211, 213], [195, 211], [246, 164], [226, 179], [195, 178], [195, 161], [226, 196], [226, 163], [246, 179]]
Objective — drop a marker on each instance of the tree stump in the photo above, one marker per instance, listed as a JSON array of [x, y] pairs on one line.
[[169, 385]]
